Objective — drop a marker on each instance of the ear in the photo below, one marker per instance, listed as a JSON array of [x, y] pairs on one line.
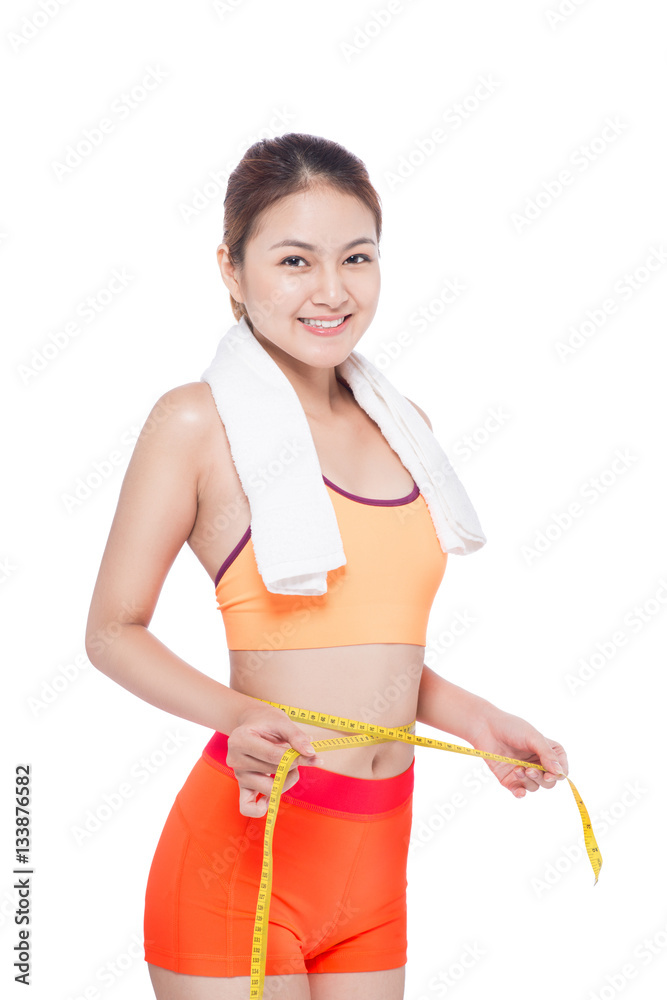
[[229, 272]]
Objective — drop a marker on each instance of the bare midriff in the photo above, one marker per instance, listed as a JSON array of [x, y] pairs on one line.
[[376, 683]]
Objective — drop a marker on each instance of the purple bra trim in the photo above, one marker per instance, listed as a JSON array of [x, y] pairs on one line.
[[232, 555], [412, 495]]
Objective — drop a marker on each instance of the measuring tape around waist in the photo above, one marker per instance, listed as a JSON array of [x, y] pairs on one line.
[[364, 733]]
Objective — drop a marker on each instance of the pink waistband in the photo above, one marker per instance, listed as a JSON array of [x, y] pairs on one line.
[[331, 790]]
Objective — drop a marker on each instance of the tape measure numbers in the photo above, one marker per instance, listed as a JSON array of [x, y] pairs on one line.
[[364, 733]]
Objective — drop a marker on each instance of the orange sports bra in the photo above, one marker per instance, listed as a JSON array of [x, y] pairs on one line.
[[383, 593]]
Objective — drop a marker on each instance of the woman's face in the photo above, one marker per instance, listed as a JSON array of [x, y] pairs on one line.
[[337, 276]]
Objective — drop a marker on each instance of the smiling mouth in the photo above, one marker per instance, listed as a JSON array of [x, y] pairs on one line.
[[324, 324]]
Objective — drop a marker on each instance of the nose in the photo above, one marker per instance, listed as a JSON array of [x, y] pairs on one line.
[[329, 288]]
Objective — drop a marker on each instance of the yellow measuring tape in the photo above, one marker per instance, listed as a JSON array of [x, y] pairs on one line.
[[366, 733]]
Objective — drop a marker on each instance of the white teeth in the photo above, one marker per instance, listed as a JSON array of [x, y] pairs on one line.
[[323, 322]]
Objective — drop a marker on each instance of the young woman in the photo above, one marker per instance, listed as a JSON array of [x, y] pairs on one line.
[[300, 250]]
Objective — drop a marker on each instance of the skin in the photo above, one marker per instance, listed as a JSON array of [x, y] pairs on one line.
[[181, 486]]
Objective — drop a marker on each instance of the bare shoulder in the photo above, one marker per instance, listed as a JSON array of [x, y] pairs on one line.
[[421, 412], [189, 407], [182, 433], [183, 417]]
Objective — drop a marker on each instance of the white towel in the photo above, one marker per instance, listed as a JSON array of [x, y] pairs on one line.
[[295, 533]]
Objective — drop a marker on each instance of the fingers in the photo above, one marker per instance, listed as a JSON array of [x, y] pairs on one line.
[[518, 782], [265, 765], [255, 791], [548, 778], [553, 761], [260, 754], [269, 745], [539, 779], [258, 781], [529, 779], [254, 754], [250, 804]]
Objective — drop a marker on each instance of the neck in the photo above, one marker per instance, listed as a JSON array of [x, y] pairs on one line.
[[320, 390]]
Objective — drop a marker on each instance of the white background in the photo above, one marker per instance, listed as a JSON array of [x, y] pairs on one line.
[[500, 877]]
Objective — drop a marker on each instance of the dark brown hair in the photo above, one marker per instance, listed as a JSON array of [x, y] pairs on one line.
[[273, 168]]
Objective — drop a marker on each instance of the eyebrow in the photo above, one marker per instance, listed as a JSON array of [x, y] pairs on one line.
[[310, 246]]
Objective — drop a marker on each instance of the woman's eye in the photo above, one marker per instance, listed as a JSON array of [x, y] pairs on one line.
[[360, 257]]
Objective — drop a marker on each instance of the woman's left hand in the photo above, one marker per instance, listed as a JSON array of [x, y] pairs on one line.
[[510, 736]]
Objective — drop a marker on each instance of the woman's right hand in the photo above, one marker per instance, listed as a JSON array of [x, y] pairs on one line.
[[255, 747]]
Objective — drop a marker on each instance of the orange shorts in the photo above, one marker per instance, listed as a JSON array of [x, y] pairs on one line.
[[338, 901]]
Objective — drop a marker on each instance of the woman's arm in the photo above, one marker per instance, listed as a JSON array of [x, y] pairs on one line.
[[156, 511], [446, 706]]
